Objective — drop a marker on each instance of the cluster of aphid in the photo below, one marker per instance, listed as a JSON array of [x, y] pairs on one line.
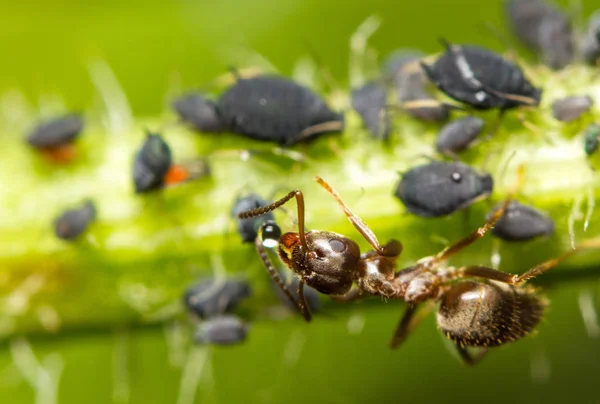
[[478, 306]]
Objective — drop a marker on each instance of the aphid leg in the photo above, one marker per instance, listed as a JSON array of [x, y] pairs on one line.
[[301, 306], [299, 202], [391, 250], [331, 126], [528, 124], [467, 357], [480, 232], [496, 124], [410, 320]]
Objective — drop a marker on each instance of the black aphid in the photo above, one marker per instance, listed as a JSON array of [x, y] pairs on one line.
[[521, 223], [592, 138], [571, 108], [73, 222], [209, 298], [56, 132], [370, 102], [151, 164], [544, 29], [310, 295], [222, 330], [248, 228], [439, 189], [481, 78], [199, 112], [590, 43], [459, 134], [273, 108]]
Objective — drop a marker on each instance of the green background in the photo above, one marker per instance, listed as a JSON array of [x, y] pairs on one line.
[[155, 48]]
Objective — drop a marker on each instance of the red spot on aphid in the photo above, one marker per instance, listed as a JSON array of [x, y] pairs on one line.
[[176, 175], [61, 154]]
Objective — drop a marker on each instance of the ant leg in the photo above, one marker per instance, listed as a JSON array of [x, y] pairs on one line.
[[467, 357], [477, 234], [352, 295], [408, 323], [391, 250], [300, 305], [299, 202]]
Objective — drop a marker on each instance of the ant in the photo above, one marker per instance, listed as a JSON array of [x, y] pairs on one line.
[[478, 306]]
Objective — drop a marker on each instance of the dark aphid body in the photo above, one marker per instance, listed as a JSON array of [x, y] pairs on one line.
[[273, 108], [481, 78], [459, 134], [571, 108], [73, 222], [592, 138], [222, 330], [488, 314], [310, 294], [57, 132], [208, 298], [439, 189], [248, 228], [199, 112], [395, 62], [590, 43], [544, 29], [370, 102], [521, 223], [152, 162]]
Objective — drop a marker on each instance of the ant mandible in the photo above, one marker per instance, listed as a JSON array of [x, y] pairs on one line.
[[478, 306]]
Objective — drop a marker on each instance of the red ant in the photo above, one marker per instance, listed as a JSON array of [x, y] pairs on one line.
[[478, 306]]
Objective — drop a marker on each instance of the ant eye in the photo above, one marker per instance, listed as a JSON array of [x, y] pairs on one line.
[[337, 245], [270, 234], [456, 177]]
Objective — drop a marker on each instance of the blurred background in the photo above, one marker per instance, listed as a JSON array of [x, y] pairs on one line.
[[155, 48]]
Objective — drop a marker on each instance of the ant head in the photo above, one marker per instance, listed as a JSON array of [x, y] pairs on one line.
[[330, 263]]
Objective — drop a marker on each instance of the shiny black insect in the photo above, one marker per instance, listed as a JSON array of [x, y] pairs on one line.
[[521, 223], [55, 137], [209, 298], [248, 228], [370, 102], [478, 306], [221, 330], [439, 188], [411, 89], [571, 108], [590, 43], [591, 138], [544, 29], [481, 78], [198, 111], [153, 166], [273, 108], [459, 135], [73, 222]]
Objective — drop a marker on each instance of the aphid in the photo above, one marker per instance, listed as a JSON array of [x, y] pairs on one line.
[[439, 188], [153, 167], [459, 134], [73, 222], [592, 138], [221, 330], [571, 108], [590, 43], [199, 112], [310, 295], [481, 78], [478, 306], [248, 228], [544, 29], [209, 298], [397, 60], [370, 101], [55, 137], [521, 223], [273, 108]]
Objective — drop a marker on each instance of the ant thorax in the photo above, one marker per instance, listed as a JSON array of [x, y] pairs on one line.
[[417, 284]]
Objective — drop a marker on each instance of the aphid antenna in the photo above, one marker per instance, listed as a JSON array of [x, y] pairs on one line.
[[358, 48], [491, 29], [323, 69]]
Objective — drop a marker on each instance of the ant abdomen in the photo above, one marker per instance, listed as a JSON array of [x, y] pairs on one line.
[[330, 264], [488, 314]]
